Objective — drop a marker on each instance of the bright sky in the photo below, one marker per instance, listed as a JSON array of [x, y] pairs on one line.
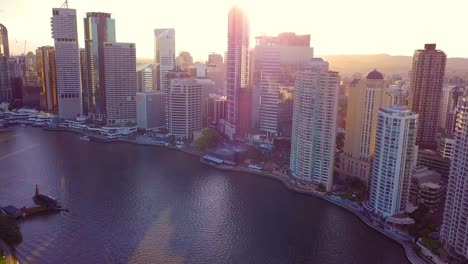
[[395, 27]]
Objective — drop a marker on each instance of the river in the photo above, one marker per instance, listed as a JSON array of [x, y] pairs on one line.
[[142, 204]]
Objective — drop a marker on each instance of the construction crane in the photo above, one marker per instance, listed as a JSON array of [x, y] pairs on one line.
[[65, 4]]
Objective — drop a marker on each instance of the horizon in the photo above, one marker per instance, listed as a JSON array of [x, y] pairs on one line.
[[346, 35]]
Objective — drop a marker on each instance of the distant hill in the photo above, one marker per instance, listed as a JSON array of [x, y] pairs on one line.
[[387, 64]]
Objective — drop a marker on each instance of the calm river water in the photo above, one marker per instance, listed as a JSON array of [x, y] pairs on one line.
[[140, 204]]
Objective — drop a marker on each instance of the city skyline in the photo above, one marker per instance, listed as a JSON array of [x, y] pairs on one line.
[[386, 37]]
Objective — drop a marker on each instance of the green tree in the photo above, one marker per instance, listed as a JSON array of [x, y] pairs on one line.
[[210, 138], [9, 230]]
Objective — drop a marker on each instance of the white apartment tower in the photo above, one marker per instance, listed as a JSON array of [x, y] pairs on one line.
[[67, 60], [164, 59], [454, 232], [314, 124], [393, 160], [121, 83], [185, 107]]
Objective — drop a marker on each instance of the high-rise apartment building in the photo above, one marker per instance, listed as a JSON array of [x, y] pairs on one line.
[[5, 88], [237, 71], [451, 95], [427, 77], [185, 108], [393, 160], [454, 231], [47, 78], [99, 29], [314, 124], [121, 83], [164, 59], [364, 100], [67, 62]]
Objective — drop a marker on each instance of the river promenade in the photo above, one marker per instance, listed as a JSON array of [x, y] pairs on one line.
[[287, 181]]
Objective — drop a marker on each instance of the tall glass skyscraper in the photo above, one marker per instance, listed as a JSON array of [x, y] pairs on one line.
[[237, 68], [5, 89], [67, 62], [99, 28]]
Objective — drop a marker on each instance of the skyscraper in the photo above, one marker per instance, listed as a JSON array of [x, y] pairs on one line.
[[5, 88], [314, 124], [427, 76], [145, 77], [184, 60], [164, 60], [454, 225], [274, 63], [67, 61], [393, 160], [121, 83], [237, 68], [185, 107], [99, 28], [364, 100], [451, 95], [47, 78], [85, 91]]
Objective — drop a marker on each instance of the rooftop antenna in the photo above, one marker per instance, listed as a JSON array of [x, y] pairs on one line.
[[65, 4]]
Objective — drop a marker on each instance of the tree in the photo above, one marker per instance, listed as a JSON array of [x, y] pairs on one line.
[[210, 138], [9, 230]]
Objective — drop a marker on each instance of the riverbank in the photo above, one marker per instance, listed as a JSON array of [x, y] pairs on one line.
[[289, 184], [9, 253], [356, 209]]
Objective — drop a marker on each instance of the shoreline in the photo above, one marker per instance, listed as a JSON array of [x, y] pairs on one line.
[[411, 255]]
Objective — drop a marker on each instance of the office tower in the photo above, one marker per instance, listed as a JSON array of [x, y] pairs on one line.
[[393, 160], [217, 108], [314, 124], [454, 225], [274, 63], [99, 29], [16, 73], [151, 114], [185, 108], [120, 79], [67, 62], [427, 76], [170, 75], [164, 59], [434, 161], [208, 87], [184, 60], [364, 100], [30, 73], [237, 71], [216, 71], [199, 69], [85, 90], [145, 77], [451, 94], [5, 88], [47, 78]]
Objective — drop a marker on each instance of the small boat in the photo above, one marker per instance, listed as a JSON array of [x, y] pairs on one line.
[[45, 200], [85, 138]]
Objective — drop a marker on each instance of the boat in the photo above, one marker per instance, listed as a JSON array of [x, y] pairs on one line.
[[85, 138], [45, 200]]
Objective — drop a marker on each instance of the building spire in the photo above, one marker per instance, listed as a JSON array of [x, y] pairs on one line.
[[65, 4]]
